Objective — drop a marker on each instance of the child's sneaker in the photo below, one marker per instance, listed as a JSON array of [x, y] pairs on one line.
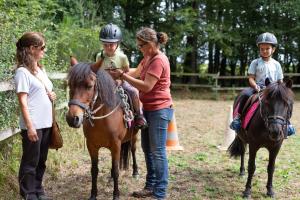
[[236, 124], [140, 122], [291, 130]]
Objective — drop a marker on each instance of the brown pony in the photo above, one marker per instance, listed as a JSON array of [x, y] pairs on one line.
[[95, 104], [267, 129]]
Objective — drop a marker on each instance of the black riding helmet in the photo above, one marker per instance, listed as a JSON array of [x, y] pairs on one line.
[[267, 38], [110, 33]]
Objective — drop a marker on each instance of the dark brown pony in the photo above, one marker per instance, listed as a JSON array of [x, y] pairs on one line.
[[95, 104], [267, 129]]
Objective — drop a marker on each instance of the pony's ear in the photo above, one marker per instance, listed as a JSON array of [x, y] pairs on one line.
[[95, 66], [267, 81], [289, 83], [73, 61]]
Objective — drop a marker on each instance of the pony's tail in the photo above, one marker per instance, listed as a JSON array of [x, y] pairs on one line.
[[125, 155], [237, 148]]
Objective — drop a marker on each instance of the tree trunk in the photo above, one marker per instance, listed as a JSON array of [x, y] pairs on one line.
[[232, 65], [210, 58], [223, 69], [190, 62], [217, 58]]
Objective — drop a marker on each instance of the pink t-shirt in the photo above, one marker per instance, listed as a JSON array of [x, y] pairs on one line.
[[159, 97]]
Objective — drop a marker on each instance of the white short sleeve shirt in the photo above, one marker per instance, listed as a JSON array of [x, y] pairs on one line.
[[39, 104], [262, 70]]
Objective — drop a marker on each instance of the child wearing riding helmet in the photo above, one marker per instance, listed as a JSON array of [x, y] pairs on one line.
[[114, 58], [260, 69]]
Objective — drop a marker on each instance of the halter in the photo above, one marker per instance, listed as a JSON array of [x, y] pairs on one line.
[[89, 111], [273, 119]]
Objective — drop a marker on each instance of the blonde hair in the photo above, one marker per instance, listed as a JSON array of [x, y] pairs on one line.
[[150, 35], [23, 56]]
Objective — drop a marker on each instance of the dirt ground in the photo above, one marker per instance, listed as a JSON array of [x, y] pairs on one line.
[[200, 171]]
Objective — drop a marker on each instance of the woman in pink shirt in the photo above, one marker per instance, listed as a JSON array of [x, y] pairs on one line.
[[152, 79]]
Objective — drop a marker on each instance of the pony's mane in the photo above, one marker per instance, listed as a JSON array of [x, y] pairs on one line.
[[279, 91], [80, 72], [107, 88]]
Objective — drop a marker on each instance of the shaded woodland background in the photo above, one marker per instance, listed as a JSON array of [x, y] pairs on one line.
[[206, 36]]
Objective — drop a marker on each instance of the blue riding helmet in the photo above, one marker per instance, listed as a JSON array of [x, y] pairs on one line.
[[267, 38], [110, 33]]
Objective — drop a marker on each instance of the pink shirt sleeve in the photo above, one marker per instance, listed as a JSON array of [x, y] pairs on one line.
[[156, 68]]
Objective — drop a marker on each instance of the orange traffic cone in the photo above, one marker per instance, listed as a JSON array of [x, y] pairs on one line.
[[172, 137]]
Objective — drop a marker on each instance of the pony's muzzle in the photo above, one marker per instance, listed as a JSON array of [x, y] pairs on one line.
[[74, 121], [275, 132]]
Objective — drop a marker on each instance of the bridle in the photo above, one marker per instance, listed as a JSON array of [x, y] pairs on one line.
[[272, 119], [89, 111]]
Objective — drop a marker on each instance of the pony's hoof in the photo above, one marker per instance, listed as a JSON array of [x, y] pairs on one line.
[[93, 198], [246, 194], [135, 176], [116, 198], [242, 173], [271, 194]]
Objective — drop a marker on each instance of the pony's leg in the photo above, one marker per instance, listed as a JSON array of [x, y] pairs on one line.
[[242, 167], [135, 172], [251, 170], [115, 157], [271, 168], [94, 171]]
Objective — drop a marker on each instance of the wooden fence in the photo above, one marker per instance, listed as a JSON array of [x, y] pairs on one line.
[[215, 79], [9, 85], [213, 85]]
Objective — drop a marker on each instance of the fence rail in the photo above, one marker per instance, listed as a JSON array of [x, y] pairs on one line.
[[8, 85], [214, 85]]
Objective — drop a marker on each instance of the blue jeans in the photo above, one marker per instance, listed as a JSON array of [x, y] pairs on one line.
[[153, 141]]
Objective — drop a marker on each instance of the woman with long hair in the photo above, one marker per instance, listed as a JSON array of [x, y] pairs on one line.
[[34, 91]]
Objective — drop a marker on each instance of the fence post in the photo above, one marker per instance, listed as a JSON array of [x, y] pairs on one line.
[[216, 85]]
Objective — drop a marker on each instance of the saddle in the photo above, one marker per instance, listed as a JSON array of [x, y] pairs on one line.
[[250, 108]]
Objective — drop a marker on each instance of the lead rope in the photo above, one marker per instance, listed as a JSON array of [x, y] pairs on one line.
[[108, 114]]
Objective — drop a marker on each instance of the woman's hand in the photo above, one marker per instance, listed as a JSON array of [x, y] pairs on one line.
[[116, 73], [52, 96], [32, 135]]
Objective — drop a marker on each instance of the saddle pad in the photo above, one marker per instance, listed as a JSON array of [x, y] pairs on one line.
[[249, 114]]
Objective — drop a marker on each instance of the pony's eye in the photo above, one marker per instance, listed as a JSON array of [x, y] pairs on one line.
[[89, 87]]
